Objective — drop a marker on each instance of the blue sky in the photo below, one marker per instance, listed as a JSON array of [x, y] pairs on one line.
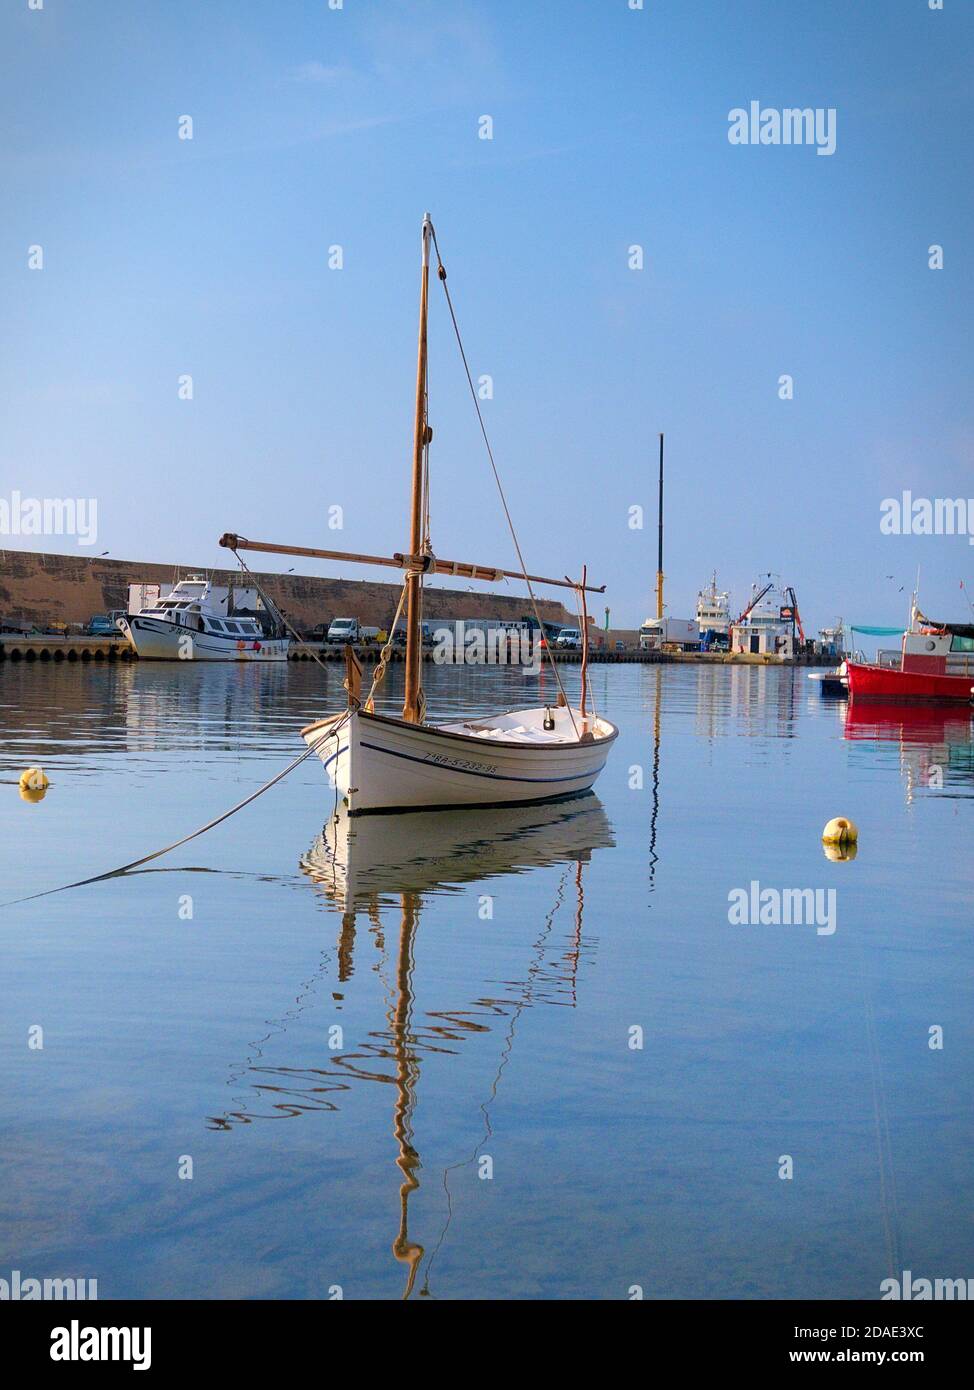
[[315, 127]]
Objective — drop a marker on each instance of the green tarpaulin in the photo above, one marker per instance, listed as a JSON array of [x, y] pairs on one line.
[[881, 631]]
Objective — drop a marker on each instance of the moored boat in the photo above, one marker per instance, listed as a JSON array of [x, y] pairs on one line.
[[378, 763], [713, 616], [936, 663], [201, 621], [832, 683]]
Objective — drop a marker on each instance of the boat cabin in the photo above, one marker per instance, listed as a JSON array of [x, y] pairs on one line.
[[200, 606], [938, 653]]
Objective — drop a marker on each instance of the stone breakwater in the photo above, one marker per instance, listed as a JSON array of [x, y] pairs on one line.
[[42, 589]]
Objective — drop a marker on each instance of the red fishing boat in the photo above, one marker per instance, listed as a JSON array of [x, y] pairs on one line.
[[936, 663]]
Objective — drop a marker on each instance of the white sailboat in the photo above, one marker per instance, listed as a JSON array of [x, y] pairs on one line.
[[378, 763]]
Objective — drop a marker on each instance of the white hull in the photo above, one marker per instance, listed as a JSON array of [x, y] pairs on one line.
[[157, 639], [382, 764]]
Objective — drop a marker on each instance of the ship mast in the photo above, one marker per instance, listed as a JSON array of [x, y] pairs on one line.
[[659, 561], [413, 701]]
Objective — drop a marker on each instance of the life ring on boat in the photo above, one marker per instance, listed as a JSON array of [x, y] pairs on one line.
[[241, 645]]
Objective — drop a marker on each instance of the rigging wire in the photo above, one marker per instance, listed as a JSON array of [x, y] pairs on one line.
[[441, 273], [283, 617]]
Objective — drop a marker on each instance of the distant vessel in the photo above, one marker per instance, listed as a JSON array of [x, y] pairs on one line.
[[200, 621], [713, 614]]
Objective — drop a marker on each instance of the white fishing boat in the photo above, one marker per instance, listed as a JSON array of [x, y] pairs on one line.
[[201, 621], [378, 763]]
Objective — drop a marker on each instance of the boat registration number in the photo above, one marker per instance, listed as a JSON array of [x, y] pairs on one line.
[[443, 761]]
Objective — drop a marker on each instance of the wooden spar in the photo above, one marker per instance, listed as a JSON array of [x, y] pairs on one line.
[[461, 569], [412, 709]]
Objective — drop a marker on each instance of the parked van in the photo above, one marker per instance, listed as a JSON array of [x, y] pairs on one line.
[[569, 638], [344, 630]]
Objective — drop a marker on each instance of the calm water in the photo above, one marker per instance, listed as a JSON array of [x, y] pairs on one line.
[[346, 1036]]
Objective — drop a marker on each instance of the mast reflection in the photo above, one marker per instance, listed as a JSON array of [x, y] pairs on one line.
[[360, 865]]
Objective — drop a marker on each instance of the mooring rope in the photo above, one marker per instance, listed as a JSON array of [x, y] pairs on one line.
[[377, 678], [185, 839]]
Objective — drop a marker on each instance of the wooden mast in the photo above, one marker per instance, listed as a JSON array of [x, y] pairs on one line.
[[412, 709], [581, 593]]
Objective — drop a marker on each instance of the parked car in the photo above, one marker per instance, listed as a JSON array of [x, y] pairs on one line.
[[101, 625], [343, 630], [570, 638]]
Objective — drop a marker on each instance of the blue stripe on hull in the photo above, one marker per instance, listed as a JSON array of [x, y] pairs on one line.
[[492, 776]]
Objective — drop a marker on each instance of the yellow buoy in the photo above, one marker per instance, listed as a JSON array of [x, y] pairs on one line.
[[840, 831], [35, 779]]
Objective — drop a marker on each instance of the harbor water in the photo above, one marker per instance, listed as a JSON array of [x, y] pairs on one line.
[[484, 1054]]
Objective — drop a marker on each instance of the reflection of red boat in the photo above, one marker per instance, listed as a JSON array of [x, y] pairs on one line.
[[935, 664], [930, 723]]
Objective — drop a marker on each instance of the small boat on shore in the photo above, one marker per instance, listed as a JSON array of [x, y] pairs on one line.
[[201, 621], [936, 663], [379, 763]]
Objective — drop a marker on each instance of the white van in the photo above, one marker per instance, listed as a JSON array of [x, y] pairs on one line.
[[569, 637], [343, 630]]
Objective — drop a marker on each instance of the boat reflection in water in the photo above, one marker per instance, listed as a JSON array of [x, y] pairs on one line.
[[936, 741], [362, 864]]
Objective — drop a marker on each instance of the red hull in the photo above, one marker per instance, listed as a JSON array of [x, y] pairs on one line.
[[885, 683]]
